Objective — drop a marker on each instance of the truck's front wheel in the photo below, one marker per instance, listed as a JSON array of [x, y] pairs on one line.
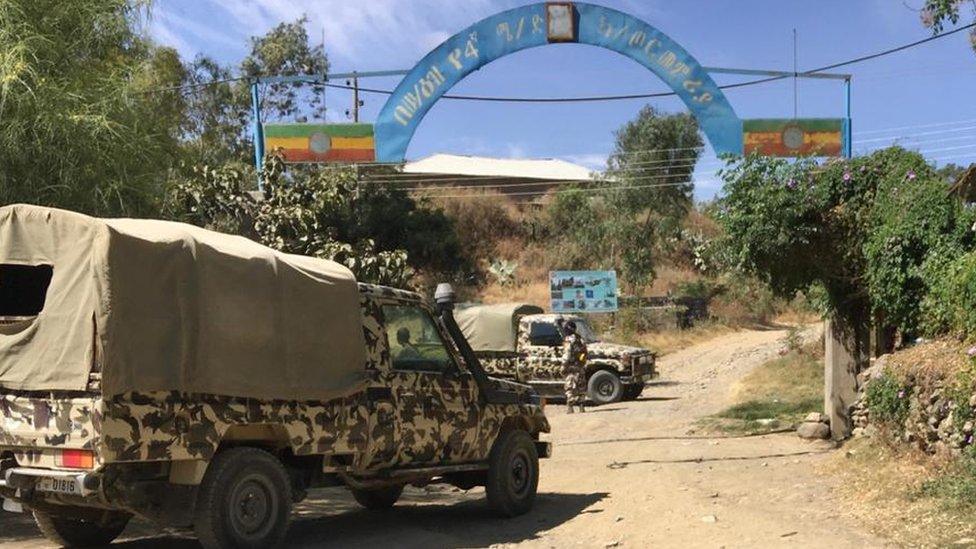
[[513, 474], [605, 387], [244, 501], [71, 532]]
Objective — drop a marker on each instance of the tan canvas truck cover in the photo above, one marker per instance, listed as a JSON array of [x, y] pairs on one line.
[[493, 327], [167, 306]]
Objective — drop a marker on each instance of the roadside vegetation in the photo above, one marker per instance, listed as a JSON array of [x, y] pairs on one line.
[[905, 495], [778, 394]]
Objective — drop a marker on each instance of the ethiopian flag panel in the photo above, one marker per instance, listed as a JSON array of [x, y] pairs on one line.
[[795, 136], [321, 142]]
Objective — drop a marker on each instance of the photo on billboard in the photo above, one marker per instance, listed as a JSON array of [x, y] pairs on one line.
[[583, 291]]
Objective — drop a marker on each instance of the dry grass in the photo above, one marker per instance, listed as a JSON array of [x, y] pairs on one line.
[[933, 360], [776, 395], [882, 489], [669, 341], [536, 293], [798, 376], [670, 277], [796, 316]]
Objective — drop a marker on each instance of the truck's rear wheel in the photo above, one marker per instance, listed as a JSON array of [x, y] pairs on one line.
[[244, 501], [513, 474], [605, 387], [71, 532], [376, 499]]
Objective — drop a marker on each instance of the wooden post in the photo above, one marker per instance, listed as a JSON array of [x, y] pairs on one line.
[[845, 354]]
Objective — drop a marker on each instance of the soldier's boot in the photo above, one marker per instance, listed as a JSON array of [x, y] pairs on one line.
[[582, 408], [569, 409]]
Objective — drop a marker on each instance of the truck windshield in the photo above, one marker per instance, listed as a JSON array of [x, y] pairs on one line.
[[585, 331]]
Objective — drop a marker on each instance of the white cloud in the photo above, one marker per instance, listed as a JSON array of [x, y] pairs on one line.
[[362, 34], [596, 161]]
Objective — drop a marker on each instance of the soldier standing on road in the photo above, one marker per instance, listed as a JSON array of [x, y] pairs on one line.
[[574, 367]]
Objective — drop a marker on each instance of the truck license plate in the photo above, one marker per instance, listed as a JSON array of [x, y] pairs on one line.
[[58, 485]]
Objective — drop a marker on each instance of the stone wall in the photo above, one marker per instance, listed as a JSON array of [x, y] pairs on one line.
[[934, 380]]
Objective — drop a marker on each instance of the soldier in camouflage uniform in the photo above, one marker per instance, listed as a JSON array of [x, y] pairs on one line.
[[574, 367]]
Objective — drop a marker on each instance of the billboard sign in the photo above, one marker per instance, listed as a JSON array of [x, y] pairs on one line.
[[583, 291], [795, 137]]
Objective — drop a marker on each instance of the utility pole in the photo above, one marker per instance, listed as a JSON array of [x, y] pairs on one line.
[[795, 79], [356, 102]]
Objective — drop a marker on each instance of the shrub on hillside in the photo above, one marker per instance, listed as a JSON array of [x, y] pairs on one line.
[[913, 222], [888, 399], [481, 220], [950, 305], [376, 230]]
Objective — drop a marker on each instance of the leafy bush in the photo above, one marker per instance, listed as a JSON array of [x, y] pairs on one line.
[[913, 219], [328, 213], [958, 484], [861, 230], [887, 400], [744, 300], [480, 221], [950, 304]]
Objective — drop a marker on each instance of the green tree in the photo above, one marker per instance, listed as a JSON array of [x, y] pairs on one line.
[[80, 128], [370, 227], [937, 13], [861, 230], [653, 159], [642, 200], [219, 117]]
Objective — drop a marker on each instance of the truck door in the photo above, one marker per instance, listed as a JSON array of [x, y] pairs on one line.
[[436, 401], [542, 352]]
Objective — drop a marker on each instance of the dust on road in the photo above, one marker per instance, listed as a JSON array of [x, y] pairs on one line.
[[631, 474]]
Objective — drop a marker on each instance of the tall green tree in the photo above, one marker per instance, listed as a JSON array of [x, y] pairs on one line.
[[81, 129], [936, 14], [219, 116], [642, 200]]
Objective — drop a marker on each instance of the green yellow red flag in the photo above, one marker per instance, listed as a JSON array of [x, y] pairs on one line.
[[321, 142]]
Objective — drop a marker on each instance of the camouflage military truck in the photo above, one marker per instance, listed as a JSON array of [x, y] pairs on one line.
[[159, 370], [519, 342]]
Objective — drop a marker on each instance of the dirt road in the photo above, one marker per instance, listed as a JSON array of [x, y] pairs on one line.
[[631, 475]]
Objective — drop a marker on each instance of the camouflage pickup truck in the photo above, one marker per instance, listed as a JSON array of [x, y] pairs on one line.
[[158, 370], [519, 342]]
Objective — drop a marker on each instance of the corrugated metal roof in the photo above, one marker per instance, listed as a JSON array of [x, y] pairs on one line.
[[543, 168]]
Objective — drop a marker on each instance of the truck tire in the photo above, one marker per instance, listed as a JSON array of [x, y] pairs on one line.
[[632, 391], [605, 387], [513, 474], [244, 501], [71, 532], [377, 499]]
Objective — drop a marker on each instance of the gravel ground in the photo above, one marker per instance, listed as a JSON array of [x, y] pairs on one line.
[[633, 474]]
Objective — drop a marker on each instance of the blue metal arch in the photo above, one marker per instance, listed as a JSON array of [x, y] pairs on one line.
[[528, 27]]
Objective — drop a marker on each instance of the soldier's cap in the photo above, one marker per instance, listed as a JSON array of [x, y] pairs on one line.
[[569, 326]]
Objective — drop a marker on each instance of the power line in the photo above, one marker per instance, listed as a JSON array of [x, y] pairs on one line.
[[549, 182], [668, 94], [438, 184], [585, 190], [892, 50], [916, 134], [916, 126], [620, 96]]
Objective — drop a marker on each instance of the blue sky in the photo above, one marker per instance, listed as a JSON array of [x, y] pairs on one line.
[[922, 98]]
